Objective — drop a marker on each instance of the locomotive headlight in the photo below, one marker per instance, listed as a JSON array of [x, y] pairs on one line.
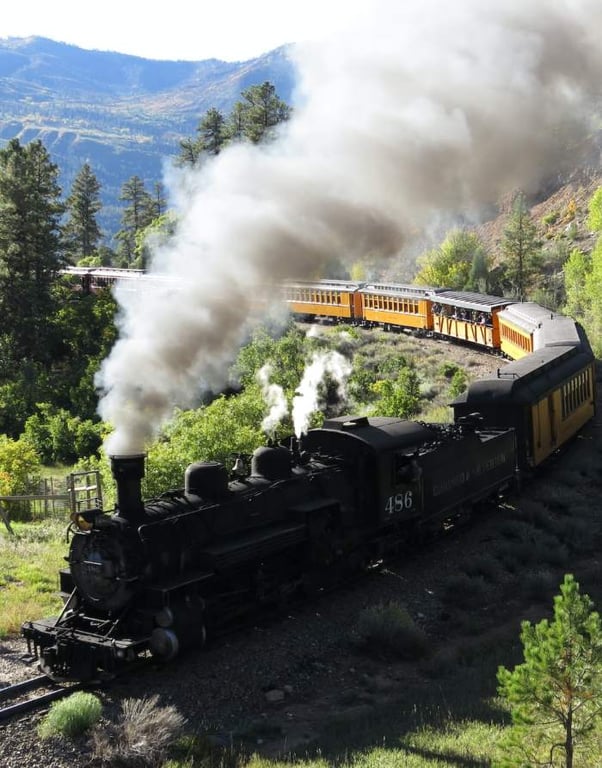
[[84, 521], [80, 522]]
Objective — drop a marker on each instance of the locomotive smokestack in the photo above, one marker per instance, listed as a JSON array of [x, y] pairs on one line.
[[128, 471]]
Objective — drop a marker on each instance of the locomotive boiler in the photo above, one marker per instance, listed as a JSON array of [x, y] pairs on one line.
[[155, 577]]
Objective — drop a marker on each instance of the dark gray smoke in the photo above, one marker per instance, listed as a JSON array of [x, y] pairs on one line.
[[415, 110]]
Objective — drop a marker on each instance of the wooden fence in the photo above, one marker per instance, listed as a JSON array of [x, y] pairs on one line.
[[77, 492]]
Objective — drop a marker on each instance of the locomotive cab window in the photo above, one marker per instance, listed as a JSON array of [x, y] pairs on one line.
[[405, 469]]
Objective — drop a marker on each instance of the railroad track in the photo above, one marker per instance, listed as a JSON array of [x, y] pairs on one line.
[[14, 700]]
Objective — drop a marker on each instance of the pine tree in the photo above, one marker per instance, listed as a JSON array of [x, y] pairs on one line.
[[235, 124], [190, 152], [212, 132], [137, 215], [520, 248], [263, 110], [555, 696], [30, 246], [30, 257], [158, 203], [252, 119], [81, 231]]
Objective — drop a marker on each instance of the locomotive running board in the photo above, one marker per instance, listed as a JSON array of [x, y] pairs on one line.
[[254, 546]]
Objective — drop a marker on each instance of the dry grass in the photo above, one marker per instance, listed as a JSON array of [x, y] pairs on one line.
[[389, 630], [464, 591], [141, 737]]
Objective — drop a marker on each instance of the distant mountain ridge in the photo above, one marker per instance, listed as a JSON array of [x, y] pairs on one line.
[[123, 114]]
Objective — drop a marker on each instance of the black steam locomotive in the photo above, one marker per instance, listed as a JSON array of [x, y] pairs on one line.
[[156, 577]]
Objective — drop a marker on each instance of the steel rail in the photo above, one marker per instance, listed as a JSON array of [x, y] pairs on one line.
[[13, 691]]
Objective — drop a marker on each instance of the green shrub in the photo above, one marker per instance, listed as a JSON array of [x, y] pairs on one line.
[[399, 398], [551, 218], [440, 414], [390, 630], [466, 620], [19, 463], [19, 473], [198, 751], [515, 530], [458, 383], [448, 370], [558, 555], [59, 436], [576, 534], [429, 390], [541, 517], [504, 552], [71, 716], [556, 496], [594, 218], [484, 566]]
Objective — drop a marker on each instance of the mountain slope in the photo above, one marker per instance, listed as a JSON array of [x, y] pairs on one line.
[[123, 114]]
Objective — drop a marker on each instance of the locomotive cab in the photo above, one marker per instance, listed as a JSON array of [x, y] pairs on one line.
[[405, 498], [384, 454]]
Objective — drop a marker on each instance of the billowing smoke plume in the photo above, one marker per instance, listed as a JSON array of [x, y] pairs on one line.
[[307, 398], [417, 109], [275, 400]]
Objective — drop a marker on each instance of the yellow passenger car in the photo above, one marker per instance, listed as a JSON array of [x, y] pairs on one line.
[[397, 306], [469, 317], [526, 327], [546, 396], [332, 299]]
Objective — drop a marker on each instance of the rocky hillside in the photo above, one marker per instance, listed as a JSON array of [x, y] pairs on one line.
[[559, 213]]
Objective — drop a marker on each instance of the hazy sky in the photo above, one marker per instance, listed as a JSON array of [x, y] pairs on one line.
[[180, 29]]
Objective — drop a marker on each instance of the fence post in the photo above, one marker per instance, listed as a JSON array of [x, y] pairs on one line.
[[4, 516]]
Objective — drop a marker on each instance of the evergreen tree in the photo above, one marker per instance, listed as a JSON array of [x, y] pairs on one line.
[[190, 152], [158, 203], [81, 231], [521, 249], [478, 277], [212, 136], [253, 118], [235, 123], [137, 215], [30, 246], [555, 696], [30, 257], [212, 133], [262, 111]]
